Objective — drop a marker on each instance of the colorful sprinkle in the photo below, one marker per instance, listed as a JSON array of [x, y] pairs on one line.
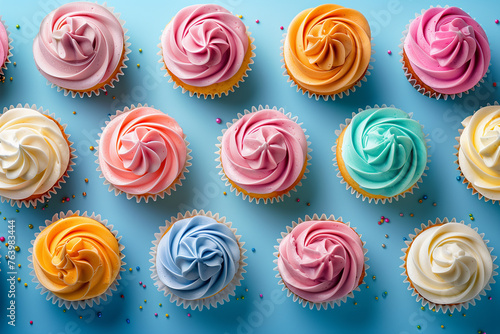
[[434, 204], [84, 194], [138, 65], [159, 304], [489, 298], [166, 315], [144, 286], [424, 197], [122, 296], [411, 214], [418, 326], [260, 295], [374, 277], [376, 298], [189, 314], [298, 199], [2, 239], [420, 201], [74, 112], [156, 314], [99, 314], [19, 279], [496, 21], [17, 248], [86, 180], [253, 250], [130, 269], [218, 120], [459, 178], [386, 236], [422, 308], [442, 326], [91, 148], [140, 307], [386, 220], [19, 266], [383, 245], [240, 16], [128, 321], [282, 28], [257, 21], [140, 282], [401, 214], [224, 193], [18, 26], [140, 50], [308, 204], [31, 322], [137, 268], [389, 52], [494, 84]]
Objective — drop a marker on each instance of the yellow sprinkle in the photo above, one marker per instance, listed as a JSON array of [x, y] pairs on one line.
[[138, 65], [91, 148], [129, 269], [355, 303], [11, 78], [140, 307], [64, 311], [19, 265], [25, 284], [376, 298], [159, 304], [225, 193], [240, 16], [15, 63], [374, 277], [242, 297], [140, 50], [442, 326], [145, 301], [167, 315], [6, 244], [367, 286], [463, 314], [19, 279], [422, 308], [73, 196], [74, 112]]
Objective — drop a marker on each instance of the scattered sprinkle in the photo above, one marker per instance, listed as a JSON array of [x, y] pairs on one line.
[[374, 277], [11, 78], [31, 322], [189, 314], [166, 315], [411, 214], [308, 204], [122, 296], [138, 65], [80, 317], [422, 308], [128, 321], [144, 286], [99, 314], [140, 282], [389, 52], [459, 178], [156, 314], [159, 304], [18, 26], [355, 303], [130, 269], [442, 326], [224, 193], [383, 245], [281, 28], [140, 307], [298, 199], [253, 250], [19, 279], [145, 300], [385, 293], [15, 64], [376, 298], [401, 214], [496, 21], [74, 112], [137, 268], [424, 197], [420, 200], [84, 194], [489, 298], [91, 148], [2, 239], [240, 16], [17, 248], [257, 21], [19, 266], [386, 236], [434, 204], [140, 50], [218, 120], [418, 326], [86, 180], [494, 84]]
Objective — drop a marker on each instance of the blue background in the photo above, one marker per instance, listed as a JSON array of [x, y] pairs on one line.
[[260, 225]]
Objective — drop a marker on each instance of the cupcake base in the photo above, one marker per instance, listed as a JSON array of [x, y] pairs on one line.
[[7, 61]]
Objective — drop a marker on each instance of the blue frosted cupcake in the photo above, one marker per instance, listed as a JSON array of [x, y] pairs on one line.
[[197, 259]]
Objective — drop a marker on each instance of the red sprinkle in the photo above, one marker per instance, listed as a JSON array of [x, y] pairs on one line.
[[496, 21], [494, 84], [380, 223], [31, 322], [144, 285], [257, 21], [281, 28], [2, 239], [122, 296]]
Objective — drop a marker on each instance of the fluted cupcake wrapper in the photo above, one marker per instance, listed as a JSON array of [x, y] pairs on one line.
[[213, 95], [354, 191], [7, 61], [296, 298], [110, 81], [79, 304], [225, 179], [444, 307], [464, 179], [414, 81], [52, 191], [329, 96], [146, 197], [212, 301]]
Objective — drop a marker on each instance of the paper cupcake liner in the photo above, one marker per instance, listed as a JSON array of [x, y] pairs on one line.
[[225, 179], [146, 197], [444, 307], [354, 191], [331, 96], [296, 298], [218, 94], [212, 301], [110, 82], [464, 179], [414, 81], [7, 61], [78, 303], [52, 191]]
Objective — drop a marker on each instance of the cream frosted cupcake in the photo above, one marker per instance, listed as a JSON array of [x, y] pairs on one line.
[[327, 51], [143, 153], [448, 265], [76, 259], [5, 46], [206, 50], [381, 153], [263, 154], [445, 52], [197, 260], [321, 261], [35, 155], [479, 153], [81, 48]]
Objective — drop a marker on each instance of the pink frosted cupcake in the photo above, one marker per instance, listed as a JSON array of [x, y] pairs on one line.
[[5, 47], [445, 52]]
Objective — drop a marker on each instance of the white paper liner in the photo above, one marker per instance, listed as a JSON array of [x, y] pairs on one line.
[[78, 303], [441, 307], [464, 179], [306, 303], [354, 191], [47, 195], [413, 81], [146, 197], [7, 61], [122, 65], [225, 179], [212, 301], [219, 94], [332, 96]]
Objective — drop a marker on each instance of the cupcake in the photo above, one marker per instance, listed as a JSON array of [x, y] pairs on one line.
[[197, 259], [35, 155], [76, 259], [448, 265], [327, 51], [81, 48], [445, 52], [478, 153], [381, 153], [263, 154], [143, 153], [5, 47], [206, 50], [320, 261]]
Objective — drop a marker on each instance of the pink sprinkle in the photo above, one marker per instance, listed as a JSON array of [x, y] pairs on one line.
[[382, 217], [31, 322], [386, 220], [140, 282], [389, 52], [43, 208], [281, 28], [156, 314], [298, 199], [106, 93], [218, 120], [401, 215], [496, 21], [257, 21], [189, 314], [144, 285], [260, 295], [2, 239]]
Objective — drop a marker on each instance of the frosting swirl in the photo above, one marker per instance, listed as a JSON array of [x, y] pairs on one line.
[[384, 151], [321, 261], [4, 45], [479, 153], [449, 263], [204, 45], [34, 153], [79, 46], [447, 49], [142, 151], [264, 152], [327, 49], [76, 258], [197, 257]]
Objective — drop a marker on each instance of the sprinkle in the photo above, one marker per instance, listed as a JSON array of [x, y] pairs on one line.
[[99, 314], [129, 269], [73, 196], [253, 250], [386, 220], [281, 28], [308, 204], [31, 322], [434, 204], [19, 266], [382, 217], [106, 93], [74, 112], [140, 50], [15, 63], [86, 180], [470, 214], [376, 298], [64, 310], [144, 286], [386, 236], [355, 303], [156, 314], [140, 282], [496, 21], [424, 197], [19, 279], [257, 21], [84, 194], [401, 214], [422, 308], [298, 199], [17, 210], [494, 84], [374, 277], [242, 297], [128, 321], [17, 248], [140, 307], [489, 298], [246, 290], [260, 295], [218, 120], [389, 52], [385, 293], [80, 317], [419, 327], [2, 239], [224, 193], [420, 201], [189, 314], [18, 26], [138, 65], [137, 268], [122, 296], [11, 78], [411, 214], [459, 178], [463, 315], [166, 315], [91, 148], [471, 218], [159, 304], [145, 300], [380, 223], [383, 245], [442, 326], [367, 286]]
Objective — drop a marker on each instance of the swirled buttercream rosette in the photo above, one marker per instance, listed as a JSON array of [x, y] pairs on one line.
[[79, 260], [143, 153], [320, 261], [387, 158], [263, 154], [478, 152], [327, 51], [444, 52], [206, 51], [5, 46], [35, 155], [197, 260], [448, 265], [81, 48]]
